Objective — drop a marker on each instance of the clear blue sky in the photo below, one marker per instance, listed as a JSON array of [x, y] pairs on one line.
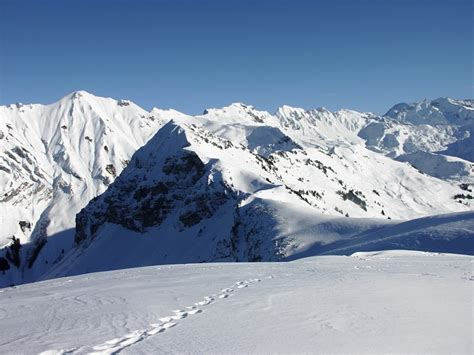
[[189, 55]]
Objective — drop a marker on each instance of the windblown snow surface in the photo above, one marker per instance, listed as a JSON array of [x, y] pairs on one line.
[[370, 302]]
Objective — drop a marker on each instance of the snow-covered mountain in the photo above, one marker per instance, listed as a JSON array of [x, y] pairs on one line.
[[434, 128], [55, 158], [442, 111], [233, 184]]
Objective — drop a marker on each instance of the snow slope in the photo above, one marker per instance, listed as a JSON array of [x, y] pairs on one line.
[[439, 165], [451, 233], [378, 302]]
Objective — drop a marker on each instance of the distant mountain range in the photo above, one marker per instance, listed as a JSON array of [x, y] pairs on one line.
[[90, 183]]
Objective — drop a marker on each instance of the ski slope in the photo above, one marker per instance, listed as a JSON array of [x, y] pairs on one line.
[[372, 302]]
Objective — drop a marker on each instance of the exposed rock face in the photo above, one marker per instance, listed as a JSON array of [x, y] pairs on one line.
[[25, 226], [138, 205], [355, 196], [253, 234], [137, 201]]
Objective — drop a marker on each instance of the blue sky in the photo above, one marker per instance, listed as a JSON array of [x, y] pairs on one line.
[[190, 55]]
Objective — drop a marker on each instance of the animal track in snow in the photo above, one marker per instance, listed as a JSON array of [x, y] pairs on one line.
[[116, 345], [195, 311]]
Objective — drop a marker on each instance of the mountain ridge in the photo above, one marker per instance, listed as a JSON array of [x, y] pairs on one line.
[[263, 167]]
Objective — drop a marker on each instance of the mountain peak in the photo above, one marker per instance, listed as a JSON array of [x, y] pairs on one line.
[[237, 111], [78, 94], [234, 106], [83, 95]]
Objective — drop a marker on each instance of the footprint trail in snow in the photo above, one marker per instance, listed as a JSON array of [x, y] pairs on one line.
[[116, 345]]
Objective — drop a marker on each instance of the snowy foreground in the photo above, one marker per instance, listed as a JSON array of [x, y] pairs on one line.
[[392, 301]]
